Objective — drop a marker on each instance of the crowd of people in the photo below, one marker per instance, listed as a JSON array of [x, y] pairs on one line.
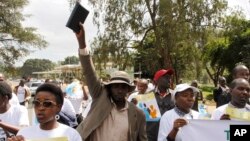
[[113, 113]]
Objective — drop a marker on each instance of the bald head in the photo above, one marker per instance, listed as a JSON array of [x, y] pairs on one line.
[[194, 83], [240, 92], [1, 77], [238, 81], [241, 71], [222, 81], [142, 85]]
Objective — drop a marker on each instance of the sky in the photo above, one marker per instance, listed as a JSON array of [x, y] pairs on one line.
[[50, 18]]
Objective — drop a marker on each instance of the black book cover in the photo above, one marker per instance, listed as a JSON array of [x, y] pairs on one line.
[[79, 14]]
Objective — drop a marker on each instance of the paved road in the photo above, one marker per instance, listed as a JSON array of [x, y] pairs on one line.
[[30, 111]]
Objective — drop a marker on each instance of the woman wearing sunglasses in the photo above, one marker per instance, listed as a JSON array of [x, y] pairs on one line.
[[47, 103]]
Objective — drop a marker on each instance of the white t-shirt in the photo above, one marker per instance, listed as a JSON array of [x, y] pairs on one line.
[[35, 132], [216, 115], [21, 93], [16, 116], [167, 123], [68, 108], [14, 100], [77, 104], [150, 87], [75, 95]]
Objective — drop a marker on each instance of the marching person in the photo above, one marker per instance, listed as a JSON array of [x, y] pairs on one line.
[[164, 98], [22, 92], [47, 103], [240, 93], [12, 117], [241, 71], [142, 86], [14, 99], [174, 119], [221, 94], [110, 117], [199, 96]]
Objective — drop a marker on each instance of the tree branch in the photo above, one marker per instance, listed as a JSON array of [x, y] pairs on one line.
[[145, 35]]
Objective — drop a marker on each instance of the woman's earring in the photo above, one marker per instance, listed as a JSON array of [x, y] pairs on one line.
[[57, 117]]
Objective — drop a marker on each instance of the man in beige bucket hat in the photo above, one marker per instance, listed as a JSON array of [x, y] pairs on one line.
[[110, 117]]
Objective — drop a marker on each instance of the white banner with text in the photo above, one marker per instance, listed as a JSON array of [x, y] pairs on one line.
[[208, 130]]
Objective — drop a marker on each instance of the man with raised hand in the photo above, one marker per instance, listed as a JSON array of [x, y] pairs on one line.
[[111, 117]]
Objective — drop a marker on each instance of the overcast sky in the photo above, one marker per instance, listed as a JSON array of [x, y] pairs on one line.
[[50, 17]]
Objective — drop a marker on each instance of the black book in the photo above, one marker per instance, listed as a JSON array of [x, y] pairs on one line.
[[79, 14]]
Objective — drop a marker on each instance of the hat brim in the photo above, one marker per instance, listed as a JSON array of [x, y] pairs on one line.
[[131, 87], [195, 90], [169, 71]]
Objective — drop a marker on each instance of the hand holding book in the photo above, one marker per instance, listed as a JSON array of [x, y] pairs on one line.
[[81, 37], [79, 14]]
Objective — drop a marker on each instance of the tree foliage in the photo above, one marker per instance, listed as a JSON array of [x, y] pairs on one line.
[[238, 51], [227, 47], [16, 40], [185, 35], [176, 30], [214, 58], [36, 65], [70, 60]]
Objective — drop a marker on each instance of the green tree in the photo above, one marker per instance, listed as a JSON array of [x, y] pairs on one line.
[[227, 46], [70, 60], [16, 40], [215, 58], [175, 29], [238, 51], [36, 65]]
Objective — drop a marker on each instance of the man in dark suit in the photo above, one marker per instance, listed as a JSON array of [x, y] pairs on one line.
[[111, 117]]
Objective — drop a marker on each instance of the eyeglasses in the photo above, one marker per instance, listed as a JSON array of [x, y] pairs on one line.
[[45, 104]]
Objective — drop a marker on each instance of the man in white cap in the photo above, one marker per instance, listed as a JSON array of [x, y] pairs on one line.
[[174, 119], [110, 117]]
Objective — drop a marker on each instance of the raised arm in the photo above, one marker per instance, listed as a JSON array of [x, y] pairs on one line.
[[92, 80]]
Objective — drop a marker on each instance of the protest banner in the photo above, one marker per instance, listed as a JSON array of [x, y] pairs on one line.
[[208, 130], [148, 104]]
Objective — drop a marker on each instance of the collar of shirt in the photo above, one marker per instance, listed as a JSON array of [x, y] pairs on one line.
[[182, 114], [162, 94], [247, 108]]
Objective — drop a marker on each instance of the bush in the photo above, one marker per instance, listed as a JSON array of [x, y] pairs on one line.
[[209, 97], [207, 88], [207, 91]]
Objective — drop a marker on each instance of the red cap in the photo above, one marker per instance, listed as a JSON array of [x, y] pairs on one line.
[[162, 72]]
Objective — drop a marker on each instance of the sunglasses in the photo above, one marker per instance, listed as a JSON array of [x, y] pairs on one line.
[[45, 104]]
